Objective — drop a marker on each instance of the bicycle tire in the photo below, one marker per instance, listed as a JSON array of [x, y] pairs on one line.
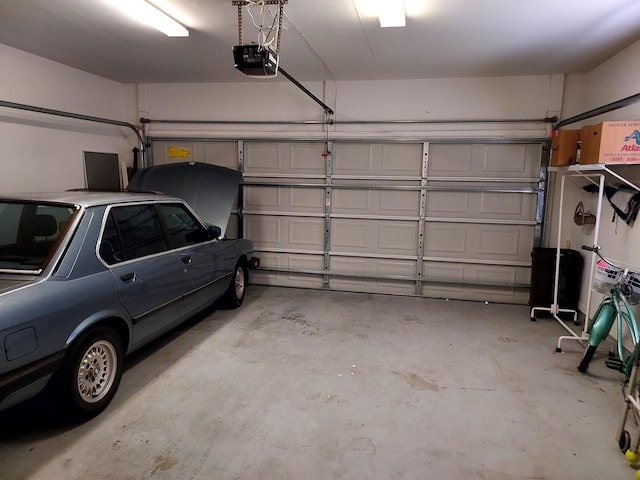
[[586, 357]]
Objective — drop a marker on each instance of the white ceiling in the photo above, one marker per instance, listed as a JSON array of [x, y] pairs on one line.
[[329, 39]]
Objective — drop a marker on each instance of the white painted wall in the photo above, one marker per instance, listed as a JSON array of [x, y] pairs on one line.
[[528, 97], [45, 153], [617, 78]]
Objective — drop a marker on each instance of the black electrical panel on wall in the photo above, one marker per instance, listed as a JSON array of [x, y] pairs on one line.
[[102, 171]]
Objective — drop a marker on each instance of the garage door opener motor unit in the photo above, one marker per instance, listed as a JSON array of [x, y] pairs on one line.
[[255, 60], [259, 59]]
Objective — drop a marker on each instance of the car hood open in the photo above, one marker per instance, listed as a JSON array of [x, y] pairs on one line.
[[209, 189]]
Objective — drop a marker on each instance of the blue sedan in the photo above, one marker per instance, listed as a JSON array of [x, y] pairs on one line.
[[88, 277]]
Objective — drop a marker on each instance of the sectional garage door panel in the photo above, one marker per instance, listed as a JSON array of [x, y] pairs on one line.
[[376, 202], [503, 207], [281, 268], [216, 153], [386, 269], [376, 160], [518, 296], [374, 237], [478, 242], [269, 158], [477, 161], [285, 233], [390, 287], [475, 282], [283, 199]]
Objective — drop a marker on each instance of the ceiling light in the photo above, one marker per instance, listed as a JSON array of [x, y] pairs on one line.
[[391, 13], [150, 15]]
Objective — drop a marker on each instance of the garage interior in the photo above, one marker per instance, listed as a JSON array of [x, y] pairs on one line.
[[394, 189]]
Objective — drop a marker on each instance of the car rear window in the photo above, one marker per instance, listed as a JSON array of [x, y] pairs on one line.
[[29, 233]]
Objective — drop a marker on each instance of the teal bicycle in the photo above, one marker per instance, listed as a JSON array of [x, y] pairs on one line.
[[621, 287]]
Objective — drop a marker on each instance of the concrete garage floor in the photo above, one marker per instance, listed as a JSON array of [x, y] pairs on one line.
[[301, 384]]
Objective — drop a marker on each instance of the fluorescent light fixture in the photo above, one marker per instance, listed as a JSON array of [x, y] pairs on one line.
[[391, 13], [150, 15]]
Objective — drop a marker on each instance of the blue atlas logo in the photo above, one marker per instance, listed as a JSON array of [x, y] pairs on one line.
[[635, 136]]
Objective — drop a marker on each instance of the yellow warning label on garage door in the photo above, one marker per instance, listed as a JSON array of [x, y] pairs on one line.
[[179, 152]]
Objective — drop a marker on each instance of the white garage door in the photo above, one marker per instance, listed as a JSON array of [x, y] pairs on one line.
[[454, 220]]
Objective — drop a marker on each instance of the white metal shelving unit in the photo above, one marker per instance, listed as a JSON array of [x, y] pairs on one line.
[[595, 174]]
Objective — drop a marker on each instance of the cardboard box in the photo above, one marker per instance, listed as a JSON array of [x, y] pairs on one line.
[[564, 146], [610, 142]]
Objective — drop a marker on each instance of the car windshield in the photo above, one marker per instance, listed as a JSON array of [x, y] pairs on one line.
[[29, 233]]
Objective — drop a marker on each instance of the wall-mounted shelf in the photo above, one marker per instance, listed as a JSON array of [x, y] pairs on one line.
[[595, 174], [587, 170]]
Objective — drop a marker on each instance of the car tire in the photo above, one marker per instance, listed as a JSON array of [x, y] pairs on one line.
[[91, 372], [234, 295]]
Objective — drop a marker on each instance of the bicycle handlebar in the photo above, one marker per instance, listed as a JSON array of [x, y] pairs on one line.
[[596, 249]]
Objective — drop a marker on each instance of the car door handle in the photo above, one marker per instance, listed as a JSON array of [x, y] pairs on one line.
[[128, 277], [186, 259]]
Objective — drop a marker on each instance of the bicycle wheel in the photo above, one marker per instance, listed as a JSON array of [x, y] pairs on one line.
[[586, 357]]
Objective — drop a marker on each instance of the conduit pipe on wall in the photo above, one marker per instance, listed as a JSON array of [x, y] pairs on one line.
[[78, 116], [624, 102]]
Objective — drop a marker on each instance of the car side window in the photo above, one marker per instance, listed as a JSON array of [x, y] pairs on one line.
[[181, 225], [140, 230], [110, 246]]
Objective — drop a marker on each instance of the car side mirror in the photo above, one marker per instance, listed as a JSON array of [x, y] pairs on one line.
[[215, 231]]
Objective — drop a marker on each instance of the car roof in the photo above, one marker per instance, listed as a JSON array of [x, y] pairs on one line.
[[84, 198]]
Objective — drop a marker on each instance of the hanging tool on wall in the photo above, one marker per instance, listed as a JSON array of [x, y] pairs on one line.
[[581, 218]]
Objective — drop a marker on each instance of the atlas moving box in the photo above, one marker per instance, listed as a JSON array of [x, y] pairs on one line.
[[564, 148], [610, 142]]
